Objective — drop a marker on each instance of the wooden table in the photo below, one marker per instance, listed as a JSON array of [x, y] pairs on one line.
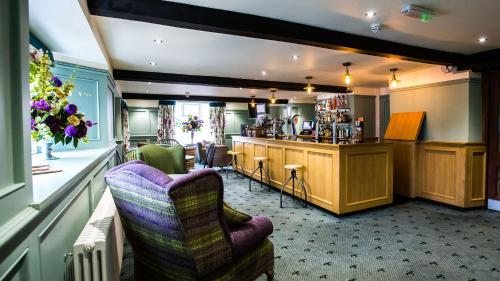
[[339, 178]]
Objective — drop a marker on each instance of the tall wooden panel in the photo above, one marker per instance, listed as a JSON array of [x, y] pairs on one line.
[[275, 162]]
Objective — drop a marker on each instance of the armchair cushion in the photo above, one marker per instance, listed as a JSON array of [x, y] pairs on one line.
[[170, 160], [248, 237], [234, 218]]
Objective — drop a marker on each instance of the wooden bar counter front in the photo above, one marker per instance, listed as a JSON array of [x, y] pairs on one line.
[[338, 178]]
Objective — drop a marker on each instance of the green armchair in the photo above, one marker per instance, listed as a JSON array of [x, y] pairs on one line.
[[166, 158]]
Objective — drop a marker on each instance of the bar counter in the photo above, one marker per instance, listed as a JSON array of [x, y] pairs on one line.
[[339, 178]]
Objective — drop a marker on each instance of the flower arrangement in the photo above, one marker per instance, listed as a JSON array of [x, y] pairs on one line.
[[193, 123], [53, 118]]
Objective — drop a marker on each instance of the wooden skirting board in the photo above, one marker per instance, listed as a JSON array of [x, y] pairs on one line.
[[338, 178], [453, 173]]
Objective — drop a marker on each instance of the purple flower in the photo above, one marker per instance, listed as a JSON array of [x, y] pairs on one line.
[[81, 130], [33, 124], [70, 109], [53, 123], [56, 81], [41, 105], [90, 123], [70, 131]]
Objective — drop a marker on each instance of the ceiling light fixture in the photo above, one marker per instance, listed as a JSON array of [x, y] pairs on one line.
[[252, 103], [187, 94], [159, 41], [309, 88], [153, 63], [393, 83], [347, 75], [263, 73], [273, 98], [149, 83], [482, 39], [370, 14], [295, 57], [241, 88]]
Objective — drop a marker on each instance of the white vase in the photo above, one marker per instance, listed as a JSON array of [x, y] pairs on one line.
[[47, 151]]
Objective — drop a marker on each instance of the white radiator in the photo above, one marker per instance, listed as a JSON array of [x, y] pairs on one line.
[[98, 250]]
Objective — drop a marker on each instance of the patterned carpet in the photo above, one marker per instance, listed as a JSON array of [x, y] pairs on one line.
[[408, 241]]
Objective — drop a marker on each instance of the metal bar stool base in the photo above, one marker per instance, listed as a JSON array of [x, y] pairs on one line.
[[293, 177]]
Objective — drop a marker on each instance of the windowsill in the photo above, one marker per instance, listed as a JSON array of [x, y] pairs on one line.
[[75, 165]]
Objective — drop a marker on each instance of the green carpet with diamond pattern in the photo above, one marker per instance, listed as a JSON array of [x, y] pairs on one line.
[[408, 241]]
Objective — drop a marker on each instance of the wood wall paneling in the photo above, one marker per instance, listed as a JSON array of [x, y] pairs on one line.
[[320, 178], [275, 162]]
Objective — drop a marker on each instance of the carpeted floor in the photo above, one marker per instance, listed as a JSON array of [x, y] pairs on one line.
[[408, 241]]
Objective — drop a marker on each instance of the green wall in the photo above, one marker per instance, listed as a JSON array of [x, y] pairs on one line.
[[453, 109], [34, 239]]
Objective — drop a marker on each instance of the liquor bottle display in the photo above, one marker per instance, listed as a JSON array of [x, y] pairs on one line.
[[333, 119]]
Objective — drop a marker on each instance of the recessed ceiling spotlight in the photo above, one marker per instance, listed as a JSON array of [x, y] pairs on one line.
[[295, 57], [263, 73], [187, 94], [482, 39], [149, 83], [241, 88], [153, 63], [158, 41], [147, 92], [370, 14]]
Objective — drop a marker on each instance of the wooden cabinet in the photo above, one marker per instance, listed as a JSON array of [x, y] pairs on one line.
[[448, 172], [338, 178]]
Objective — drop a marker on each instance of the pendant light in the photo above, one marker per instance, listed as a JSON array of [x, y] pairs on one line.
[[393, 83], [347, 75], [309, 88], [273, 98], [252, 103]]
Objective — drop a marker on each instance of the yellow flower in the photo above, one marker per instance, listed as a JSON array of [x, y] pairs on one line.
[[60, 94], [73, 120]]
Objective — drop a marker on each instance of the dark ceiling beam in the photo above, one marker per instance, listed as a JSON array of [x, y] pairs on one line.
[[138, 96], [157, 77], [483, 61], [234, 23]]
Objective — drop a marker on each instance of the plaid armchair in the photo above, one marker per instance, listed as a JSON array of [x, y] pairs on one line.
[[177, 228]]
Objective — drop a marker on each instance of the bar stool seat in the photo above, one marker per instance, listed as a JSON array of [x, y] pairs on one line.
[[293, 167], [261, 160], [293, 177], [234, 160]]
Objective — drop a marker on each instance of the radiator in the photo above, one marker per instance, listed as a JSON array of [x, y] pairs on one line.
[[98, 250]]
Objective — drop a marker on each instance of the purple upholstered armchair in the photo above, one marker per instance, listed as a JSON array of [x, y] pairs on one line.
[[177, 228]]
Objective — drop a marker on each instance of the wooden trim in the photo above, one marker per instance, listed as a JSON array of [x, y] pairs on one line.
[[227, 82], [491, 92], [234, 23], [196, 98]]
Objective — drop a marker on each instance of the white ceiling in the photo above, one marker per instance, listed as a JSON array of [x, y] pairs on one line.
[[195, 90], [455, 27], [130, 45], [67, 33]]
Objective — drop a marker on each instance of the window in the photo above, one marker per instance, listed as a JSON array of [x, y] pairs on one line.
[[182, 111]]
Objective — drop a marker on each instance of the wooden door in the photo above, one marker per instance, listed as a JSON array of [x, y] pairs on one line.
[[491, 106]]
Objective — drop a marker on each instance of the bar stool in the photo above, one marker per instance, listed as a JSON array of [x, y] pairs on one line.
[[234, 160], [293, 176], [260, 168]]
